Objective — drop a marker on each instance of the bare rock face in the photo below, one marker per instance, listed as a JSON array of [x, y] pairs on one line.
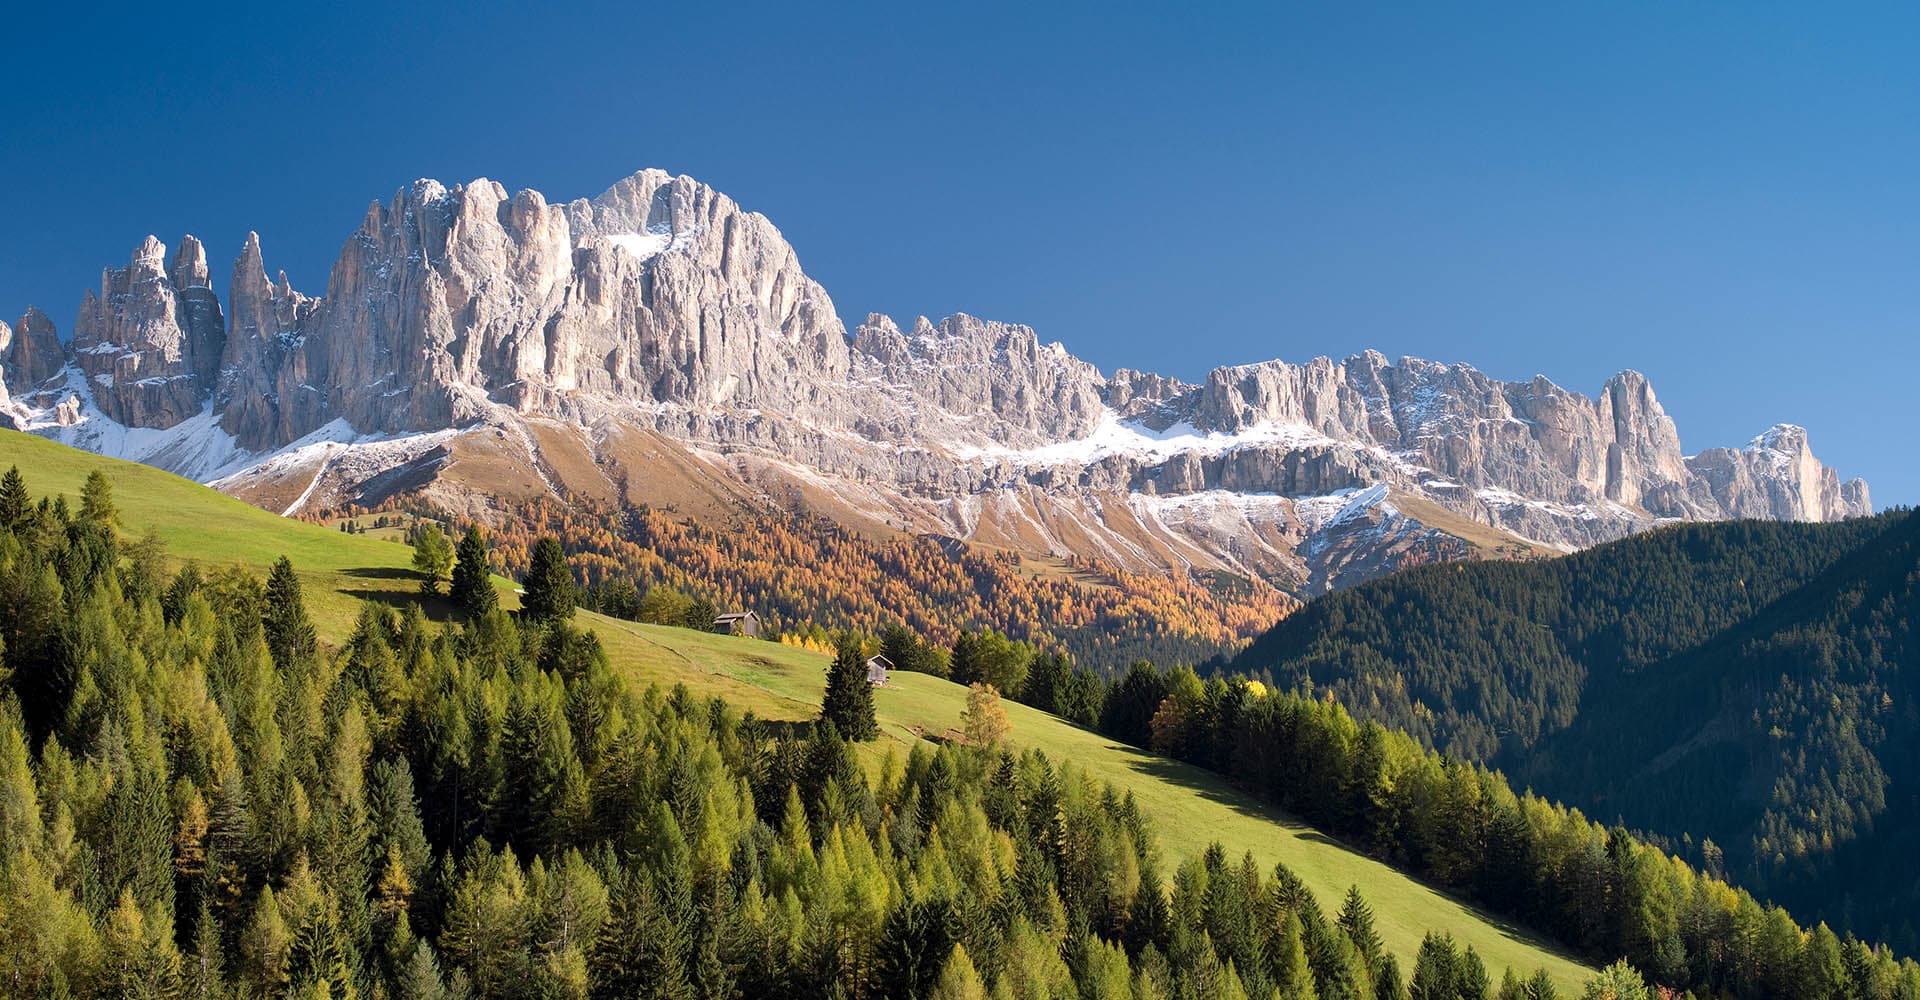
[[1774, 476], [450, 303], [264, 361], [661, 305], [35, 354], [963, 368], [150, 342]]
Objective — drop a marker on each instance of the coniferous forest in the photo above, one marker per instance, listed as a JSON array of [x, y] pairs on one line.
[[199, 798], [1744, 692]]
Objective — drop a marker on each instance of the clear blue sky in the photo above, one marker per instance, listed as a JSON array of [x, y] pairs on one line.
[[1725, 196]]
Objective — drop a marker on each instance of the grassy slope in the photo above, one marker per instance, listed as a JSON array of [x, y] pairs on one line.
[[1190, 808]]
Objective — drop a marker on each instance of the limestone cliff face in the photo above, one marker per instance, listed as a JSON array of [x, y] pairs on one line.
[[662, 305], [32, 350], [261, 392], [149, 343]]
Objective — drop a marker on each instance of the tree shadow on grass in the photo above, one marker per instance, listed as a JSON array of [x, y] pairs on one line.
[[381, 573], [395, 599]]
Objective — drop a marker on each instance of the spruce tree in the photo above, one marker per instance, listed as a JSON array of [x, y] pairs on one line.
[[472, 590], [96, 502], [1356, 918], [849, 700], [701, 614], [290, 634], [15, 502], [548, 584], [1471, 982], [1388, 983]]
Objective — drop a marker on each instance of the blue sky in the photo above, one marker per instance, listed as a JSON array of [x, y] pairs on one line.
[[1725, 196]]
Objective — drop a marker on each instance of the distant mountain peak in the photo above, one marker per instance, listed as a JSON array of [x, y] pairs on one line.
[[662, 304]]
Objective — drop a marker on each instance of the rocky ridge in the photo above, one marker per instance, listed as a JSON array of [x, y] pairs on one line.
[[662, 305]]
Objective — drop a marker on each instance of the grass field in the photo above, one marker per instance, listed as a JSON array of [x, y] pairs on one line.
[[1190, 808]]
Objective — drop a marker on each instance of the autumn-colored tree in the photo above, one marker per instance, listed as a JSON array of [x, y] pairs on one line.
[[984, 721]]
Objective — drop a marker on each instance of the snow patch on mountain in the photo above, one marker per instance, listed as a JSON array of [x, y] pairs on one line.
[[1114, 436]]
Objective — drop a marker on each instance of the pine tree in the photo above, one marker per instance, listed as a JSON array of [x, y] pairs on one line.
[[16, 504], [1388, 983], [432, 556], [1436, 970], [140, 960], [701, 614], [1292, 977], [420, 979], [1356, 918], [1471, 981], [911, 942], [96, 503], [472, 590], [849, 699], [206, 964], [548, 584], [290, 634]]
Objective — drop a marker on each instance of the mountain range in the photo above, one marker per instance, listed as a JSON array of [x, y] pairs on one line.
[[659, 344]]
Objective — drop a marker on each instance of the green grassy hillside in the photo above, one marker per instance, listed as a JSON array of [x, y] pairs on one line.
[[1189, 807]]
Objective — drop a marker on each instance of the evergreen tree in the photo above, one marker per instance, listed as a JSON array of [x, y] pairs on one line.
[[1472, 981], [96, 503], [472, 589], [849, 699], [1292, 977], [16, 504], [904, 649], [548, 584], [1388, 983], [911, 942], [701, 614], [432, 556], [290, 634], [1436, 970], [420, 979], [1356, 918]]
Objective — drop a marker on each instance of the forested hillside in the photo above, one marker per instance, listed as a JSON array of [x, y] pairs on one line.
[[197, 798], [797, 572], [201, 797], [1742, 690]]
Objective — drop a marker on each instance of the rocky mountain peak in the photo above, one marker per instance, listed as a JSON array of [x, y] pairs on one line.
[[149, 346], [660, 305], [189, 267], [34, 353]]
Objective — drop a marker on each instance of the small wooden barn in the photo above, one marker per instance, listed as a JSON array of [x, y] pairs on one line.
[[877, 667], [738, 623]]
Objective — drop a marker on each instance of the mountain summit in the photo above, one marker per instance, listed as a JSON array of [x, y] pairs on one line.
[[660, 343]]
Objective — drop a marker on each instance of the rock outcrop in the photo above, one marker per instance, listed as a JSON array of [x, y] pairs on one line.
[[150, 342], [662, 305], [32, 352]]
